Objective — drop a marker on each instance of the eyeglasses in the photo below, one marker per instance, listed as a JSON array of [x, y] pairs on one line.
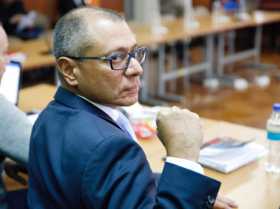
[[119, 60]]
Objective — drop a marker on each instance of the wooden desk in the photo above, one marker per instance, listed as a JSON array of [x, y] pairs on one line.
[[36, 51], [250, 185], [177, 31], [37, 57], [36, 97], [257, 21]]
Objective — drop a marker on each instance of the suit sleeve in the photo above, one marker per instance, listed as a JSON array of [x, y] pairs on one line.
[[15, 129], [118, 176]]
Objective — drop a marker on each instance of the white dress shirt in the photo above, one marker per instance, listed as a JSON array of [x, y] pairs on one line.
[[116, 115]]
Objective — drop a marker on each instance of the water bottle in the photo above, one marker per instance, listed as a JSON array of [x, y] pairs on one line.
[[273, 136], [218, 13]]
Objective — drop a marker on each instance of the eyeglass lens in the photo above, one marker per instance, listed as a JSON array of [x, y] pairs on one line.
[[122, 60]]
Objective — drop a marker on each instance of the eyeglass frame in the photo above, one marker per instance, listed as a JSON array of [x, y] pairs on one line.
[[109, 58]]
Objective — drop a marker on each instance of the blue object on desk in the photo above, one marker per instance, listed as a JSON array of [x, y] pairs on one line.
[[30, 33], [231, 6]]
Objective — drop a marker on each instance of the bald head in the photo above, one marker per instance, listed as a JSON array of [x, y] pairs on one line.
[[72, 34], [3, 49], [3, 40]]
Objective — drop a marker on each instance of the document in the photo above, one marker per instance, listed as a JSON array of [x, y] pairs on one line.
[[226, 154]]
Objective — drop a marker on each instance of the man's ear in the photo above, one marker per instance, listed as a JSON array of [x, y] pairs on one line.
[[67, 69]]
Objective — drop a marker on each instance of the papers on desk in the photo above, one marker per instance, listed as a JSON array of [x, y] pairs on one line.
[[226, 154]]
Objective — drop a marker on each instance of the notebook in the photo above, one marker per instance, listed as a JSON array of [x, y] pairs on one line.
[[226, 154], [10, 82]]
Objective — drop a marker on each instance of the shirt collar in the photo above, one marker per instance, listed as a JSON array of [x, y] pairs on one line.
[[113, 113]]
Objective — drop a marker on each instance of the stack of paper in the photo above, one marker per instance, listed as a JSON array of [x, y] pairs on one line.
[[227, 154]]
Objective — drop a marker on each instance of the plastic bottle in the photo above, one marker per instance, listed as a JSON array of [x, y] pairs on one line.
[[218, 13], [273, 136]]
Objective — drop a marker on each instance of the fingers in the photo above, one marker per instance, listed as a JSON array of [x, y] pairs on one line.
[[221, 205], [180, 131], [165, 111], [230, 202], [224, 203]]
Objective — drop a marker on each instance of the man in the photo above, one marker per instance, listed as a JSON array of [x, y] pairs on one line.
[[15, 128], [83, 153], [3, 49]]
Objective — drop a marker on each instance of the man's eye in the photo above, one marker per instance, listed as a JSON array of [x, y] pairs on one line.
[[118, 57]]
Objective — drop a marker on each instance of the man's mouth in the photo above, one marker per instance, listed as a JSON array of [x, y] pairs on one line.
[[132, 91]]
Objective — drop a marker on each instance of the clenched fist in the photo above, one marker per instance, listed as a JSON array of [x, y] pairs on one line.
[[180, 132]]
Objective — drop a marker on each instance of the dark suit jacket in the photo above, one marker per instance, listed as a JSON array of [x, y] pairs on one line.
[[80, 158]]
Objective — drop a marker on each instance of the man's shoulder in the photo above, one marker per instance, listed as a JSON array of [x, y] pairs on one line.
[[75, 125], [73, 117]]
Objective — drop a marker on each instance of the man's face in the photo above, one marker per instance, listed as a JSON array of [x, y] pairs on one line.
[[96, 80], [3, 49]]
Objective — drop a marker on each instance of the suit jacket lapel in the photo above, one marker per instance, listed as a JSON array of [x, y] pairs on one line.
[[69, 99]]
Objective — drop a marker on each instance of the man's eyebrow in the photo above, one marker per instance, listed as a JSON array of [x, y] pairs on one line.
[[123, 49]]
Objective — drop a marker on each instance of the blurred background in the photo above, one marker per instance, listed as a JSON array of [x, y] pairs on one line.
[[235, 54]]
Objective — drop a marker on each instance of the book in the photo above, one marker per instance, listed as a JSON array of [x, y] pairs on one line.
[[226, 154]]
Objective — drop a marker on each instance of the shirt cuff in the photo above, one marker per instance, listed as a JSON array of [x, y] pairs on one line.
[[188, 164]]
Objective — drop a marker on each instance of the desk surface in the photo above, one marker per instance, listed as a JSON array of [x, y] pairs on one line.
[[37, 52], [38, 56], [177, 31], [250, 186]]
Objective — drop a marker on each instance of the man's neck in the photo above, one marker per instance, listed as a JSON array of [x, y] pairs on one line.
[[85, 97]]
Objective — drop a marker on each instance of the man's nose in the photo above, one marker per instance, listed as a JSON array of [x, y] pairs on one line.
[[134, 68]]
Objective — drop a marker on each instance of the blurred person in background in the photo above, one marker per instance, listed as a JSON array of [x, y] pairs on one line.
[[17, 21], [15, 129], [11, 13]]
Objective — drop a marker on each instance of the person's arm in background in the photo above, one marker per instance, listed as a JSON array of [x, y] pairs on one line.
[[15, 129]]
